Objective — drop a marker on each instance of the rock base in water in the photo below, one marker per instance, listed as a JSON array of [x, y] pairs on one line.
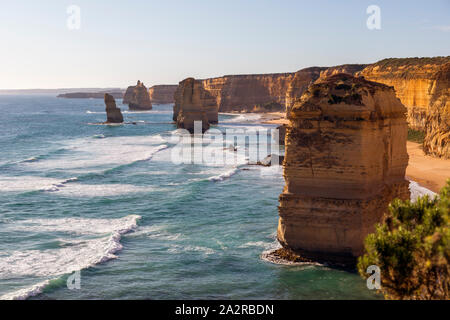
[[288, 257]]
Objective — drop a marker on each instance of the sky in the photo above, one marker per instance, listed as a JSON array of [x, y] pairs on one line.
[[166, 41]]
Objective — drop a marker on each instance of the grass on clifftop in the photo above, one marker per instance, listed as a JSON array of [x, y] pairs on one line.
[[416, 136], [397, 62]]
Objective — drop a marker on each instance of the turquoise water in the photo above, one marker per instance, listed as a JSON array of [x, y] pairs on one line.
[[108, 200]]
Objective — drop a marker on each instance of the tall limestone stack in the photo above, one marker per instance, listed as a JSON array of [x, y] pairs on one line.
[[137, 97], [113, 114], [345, 161], [194, 103]]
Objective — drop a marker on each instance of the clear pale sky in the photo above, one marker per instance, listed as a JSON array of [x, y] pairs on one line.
[[166, 41]]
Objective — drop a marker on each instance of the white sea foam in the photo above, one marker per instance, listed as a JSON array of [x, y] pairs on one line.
[[102, 243], [224, 175], [156, 232], [261, 244], [25, 293], [178, 249], [418, 191], [97, 190], [88, 154], [242, 118], [67, 187], [26, 183], [79, 226]]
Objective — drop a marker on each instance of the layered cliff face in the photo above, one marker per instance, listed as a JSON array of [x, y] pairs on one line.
[[437, 127], [250, 93], [113, 114], [137, 97], [194, 103], [162, 94], [264, 92], [345, 161], [414, 80]]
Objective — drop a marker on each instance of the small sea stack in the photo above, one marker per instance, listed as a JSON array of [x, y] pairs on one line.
[[138, 97], [345, 161], [113, 114]]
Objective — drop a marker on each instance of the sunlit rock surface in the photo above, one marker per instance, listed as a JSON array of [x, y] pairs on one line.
[[345, 161]]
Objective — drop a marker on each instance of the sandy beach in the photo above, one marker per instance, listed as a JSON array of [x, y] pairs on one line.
[[429, 172], [274, 118], [432, 173]]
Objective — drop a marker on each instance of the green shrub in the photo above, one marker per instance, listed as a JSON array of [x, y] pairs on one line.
[[412, 249], [416, 136]]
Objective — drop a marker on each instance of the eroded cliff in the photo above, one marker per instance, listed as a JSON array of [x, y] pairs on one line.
[[162, 94], [345, 161], [423, 87], [249, 93], [414, 80], [437, 127], [265, 92]]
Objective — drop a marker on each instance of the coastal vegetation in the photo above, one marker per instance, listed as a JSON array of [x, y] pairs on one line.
[[412, 249]]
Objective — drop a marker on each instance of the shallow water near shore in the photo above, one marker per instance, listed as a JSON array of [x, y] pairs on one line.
[[108, 200]]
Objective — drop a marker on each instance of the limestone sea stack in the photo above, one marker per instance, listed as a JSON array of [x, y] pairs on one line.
[[194, 103], [113, 114], [137, 97], [345, 161]]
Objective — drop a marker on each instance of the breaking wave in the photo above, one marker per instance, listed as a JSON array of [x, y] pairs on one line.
[[88, 242]]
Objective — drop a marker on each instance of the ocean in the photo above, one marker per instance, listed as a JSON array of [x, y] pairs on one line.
[[108, 201]]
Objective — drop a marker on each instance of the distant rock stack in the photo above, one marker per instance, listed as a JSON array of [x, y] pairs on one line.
[[137, 97], [113, 114], [345, 162], [194, 103]]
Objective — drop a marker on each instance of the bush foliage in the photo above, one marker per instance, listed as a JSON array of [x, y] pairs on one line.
[[411, 247]]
